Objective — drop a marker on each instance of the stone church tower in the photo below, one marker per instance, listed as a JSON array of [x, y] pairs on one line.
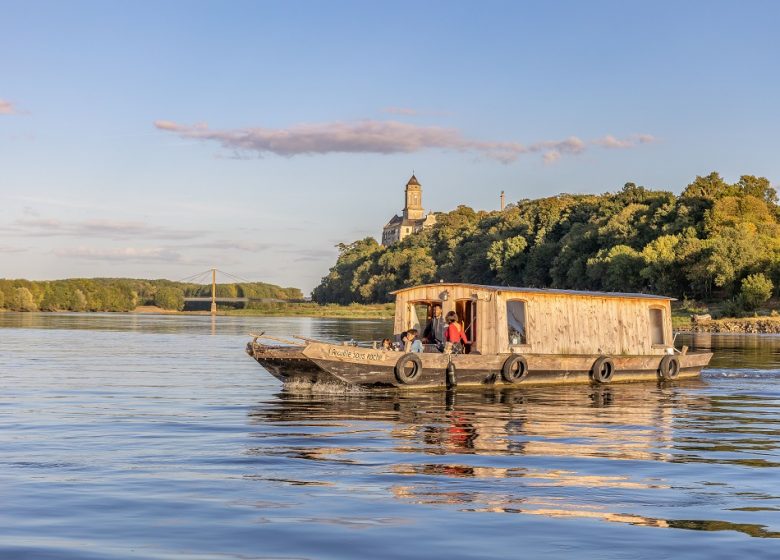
[[413, 218], [413, 209]]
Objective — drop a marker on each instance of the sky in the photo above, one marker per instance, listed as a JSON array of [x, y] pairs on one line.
[[156, 139]]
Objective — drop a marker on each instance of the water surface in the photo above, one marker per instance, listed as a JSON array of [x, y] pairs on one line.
[[132, 436]]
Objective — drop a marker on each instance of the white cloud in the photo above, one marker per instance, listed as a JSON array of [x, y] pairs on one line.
[[368, 136], [120, 254], [405, 111], [378, 137], [44, 227], [632, 141], [10, 249]]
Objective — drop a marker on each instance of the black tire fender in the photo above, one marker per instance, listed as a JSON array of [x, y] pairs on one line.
[[515, 369], [669, 368], [603, 370], [401, 374]]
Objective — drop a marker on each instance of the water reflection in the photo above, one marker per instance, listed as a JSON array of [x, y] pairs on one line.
[[618, 454]]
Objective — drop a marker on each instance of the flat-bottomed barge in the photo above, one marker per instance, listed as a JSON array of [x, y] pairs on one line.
[[515, 336]]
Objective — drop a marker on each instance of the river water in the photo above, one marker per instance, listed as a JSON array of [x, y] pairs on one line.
[[139, 436]]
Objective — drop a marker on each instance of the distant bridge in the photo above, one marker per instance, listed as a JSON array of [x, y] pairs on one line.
[[217, 299], [232, 299], [214, 300]]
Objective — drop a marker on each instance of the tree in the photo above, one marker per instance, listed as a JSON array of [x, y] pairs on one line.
[[616, 269], [712, 187], [756, 290], [504, 257], [78, 301], [22, 300], [760, 187], [169, 297]]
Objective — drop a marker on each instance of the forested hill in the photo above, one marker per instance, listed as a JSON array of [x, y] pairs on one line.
[[122, 294], [702, 244]]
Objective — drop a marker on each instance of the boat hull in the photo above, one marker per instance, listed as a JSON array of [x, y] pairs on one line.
[[377, 368], [288, 364]]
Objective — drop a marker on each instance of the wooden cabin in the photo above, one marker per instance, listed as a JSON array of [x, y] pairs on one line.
[[500, 319]]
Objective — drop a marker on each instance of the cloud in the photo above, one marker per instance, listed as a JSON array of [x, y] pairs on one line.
[[405, 111], [375, 137], [124, 254], [44, 227], [368, 136], [553, 150], [227, 245], [9, 249], [304, 255], [7, 108], [632, 141]]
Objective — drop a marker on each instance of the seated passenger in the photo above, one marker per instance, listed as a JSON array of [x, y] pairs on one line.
[[415, 345], [454, 335], [386, 344]]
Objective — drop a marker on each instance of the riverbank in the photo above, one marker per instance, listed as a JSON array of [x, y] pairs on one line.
[[747, 325], [289, 309]]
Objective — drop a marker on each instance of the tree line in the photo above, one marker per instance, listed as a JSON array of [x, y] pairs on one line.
[[716, 240], [123, 294]]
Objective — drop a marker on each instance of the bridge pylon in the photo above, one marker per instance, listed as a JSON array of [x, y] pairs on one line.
[[213, 291]]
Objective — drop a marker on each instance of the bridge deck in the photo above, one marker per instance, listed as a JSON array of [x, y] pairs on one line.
[[219, 299]]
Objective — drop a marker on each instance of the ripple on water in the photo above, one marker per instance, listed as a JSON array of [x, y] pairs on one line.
[[157, 437]]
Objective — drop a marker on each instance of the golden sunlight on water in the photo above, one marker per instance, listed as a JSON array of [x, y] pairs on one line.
[[159, 435]]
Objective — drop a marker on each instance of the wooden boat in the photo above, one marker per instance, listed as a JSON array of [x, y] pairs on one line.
[[516, 335]]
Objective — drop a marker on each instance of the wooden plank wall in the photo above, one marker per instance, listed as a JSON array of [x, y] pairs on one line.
[[557, 323], [566, 324]]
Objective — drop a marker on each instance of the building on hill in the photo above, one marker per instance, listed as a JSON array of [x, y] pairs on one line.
[[413, 218]]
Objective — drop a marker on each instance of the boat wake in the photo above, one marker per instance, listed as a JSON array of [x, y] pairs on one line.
[[321, 387], [740, 373]]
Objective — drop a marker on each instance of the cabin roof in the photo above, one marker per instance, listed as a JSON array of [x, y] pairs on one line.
[[550, 291]]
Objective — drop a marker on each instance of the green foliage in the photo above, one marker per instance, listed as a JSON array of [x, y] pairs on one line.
[[22, 300], [169, 297], [123, 294], [698, 245], [755, 291]]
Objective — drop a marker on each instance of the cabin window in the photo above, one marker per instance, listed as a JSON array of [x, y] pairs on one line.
[[657, 327], [419, 314], [516, 322]]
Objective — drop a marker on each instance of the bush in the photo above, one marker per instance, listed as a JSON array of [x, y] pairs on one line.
[[22, 300], [756, 290], [732, 308], [169, 298]]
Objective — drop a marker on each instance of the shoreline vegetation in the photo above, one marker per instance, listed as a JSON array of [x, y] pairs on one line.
[[716, 244], [682, 318], [715, 247], [278, 309]]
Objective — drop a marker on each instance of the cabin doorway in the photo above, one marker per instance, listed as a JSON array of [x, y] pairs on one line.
[[467, 315]]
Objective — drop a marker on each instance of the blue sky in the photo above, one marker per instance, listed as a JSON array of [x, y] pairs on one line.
[[156, 139]]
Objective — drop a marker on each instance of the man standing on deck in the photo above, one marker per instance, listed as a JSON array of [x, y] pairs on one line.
[[434, 330]]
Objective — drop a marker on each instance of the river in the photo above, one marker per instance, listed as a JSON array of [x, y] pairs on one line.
[[157, 437]]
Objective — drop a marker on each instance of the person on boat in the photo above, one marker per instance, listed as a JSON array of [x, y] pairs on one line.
[[434, 331], [454, 336], [386, 344], [414, 343]]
